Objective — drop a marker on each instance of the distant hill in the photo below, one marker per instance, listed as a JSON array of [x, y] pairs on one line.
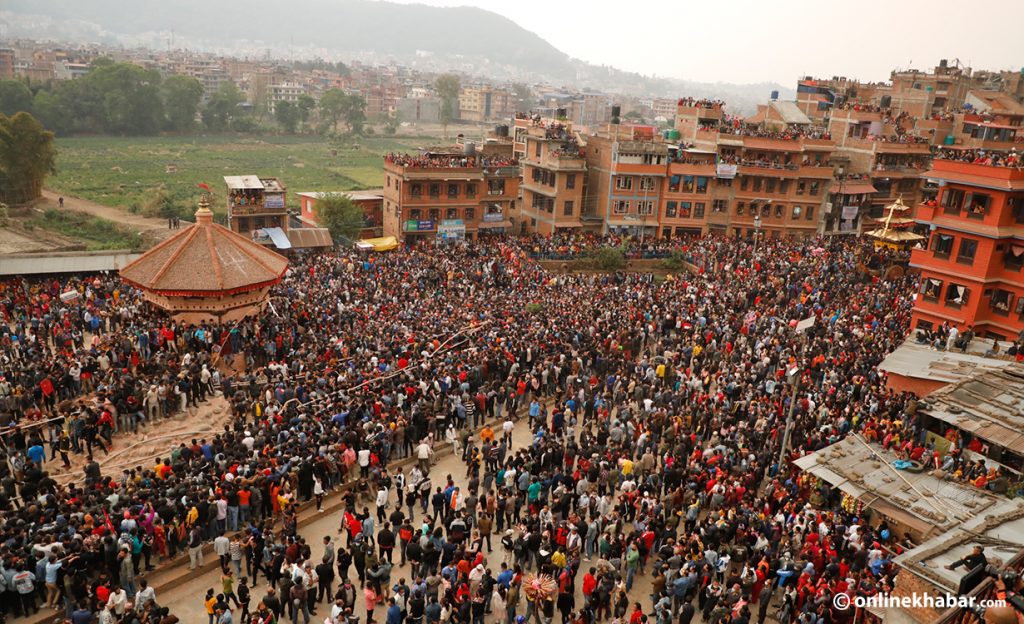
[[468, 39]]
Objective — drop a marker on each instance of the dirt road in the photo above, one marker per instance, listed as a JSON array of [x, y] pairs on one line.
[[150, 226]]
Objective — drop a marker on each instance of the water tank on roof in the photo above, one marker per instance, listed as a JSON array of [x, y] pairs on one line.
[[469, 148], [672, 135], [775, 95], [949, 140]]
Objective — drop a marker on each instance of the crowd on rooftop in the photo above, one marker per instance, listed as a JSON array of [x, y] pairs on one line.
[[982, 157], [447, 161], [656, 411], [700, 102]]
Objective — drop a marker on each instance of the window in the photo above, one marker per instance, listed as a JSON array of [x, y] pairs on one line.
[[743, 183], [739, 208], [784, 186], [470, 214], [536, 149], [698, 210], [645, 207], [1013, 259], [907, 185], [930, 289], [719, 205], [977, 205], [684, 210], [769, 185], [702, 184], [673, 184], [620, 206], [471, 189], [956, 295], [623, 183], [646, 184], [567, 208], [435, 214], [967, 251], [796, 212], [778, 210], [1001, 301], [435, 190], [757, 184], [570, 181], [415, 214], [766, 210], [809, 213], [453, 190], [801, 186], [952, 199], [942, 245], [496, 187], [451, 213], [416, 190], [1016, 207], [670, 209], [814, 188]]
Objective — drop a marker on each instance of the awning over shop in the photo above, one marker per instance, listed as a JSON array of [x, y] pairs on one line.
[[855, 188], [495, 224], [278, 237], [384, 243], [306, 238]]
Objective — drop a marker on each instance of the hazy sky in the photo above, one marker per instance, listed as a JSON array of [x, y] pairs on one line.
[[776, 40]]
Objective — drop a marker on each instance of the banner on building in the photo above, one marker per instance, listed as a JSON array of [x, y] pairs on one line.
[[850, 212], [726, 170]]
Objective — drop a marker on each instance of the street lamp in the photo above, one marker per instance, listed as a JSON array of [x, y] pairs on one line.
[[757, 229]]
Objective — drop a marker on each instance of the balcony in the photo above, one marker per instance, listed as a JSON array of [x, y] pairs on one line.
[[563, 161], [539, 189]]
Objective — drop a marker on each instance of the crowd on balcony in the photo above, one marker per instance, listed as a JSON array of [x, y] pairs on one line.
[[700, 102], [656, 412], [982, 157], [246, 197], [435, 161], [738, 126]]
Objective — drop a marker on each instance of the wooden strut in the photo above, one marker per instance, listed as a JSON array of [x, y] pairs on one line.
[[441, 349]]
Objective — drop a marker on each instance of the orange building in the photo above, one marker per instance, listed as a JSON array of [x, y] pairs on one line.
[[971, 270], [448, 193], [554, 173], [626, 168]]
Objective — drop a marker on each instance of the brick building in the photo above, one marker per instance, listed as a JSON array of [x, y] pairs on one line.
[[255, 203], [370, 200], [971, 269], [554, 176], [626, 168], [448, 193]]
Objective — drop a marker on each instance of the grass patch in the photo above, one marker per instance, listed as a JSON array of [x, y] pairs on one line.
[[97, 233], [120, 171]]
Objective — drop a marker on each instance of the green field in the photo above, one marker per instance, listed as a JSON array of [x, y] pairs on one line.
[[95, 233], [121, 171]]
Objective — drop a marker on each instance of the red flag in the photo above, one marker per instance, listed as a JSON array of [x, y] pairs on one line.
[[203, 186]]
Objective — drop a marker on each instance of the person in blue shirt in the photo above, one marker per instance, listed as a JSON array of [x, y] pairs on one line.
[[394, 612], [36, 453]]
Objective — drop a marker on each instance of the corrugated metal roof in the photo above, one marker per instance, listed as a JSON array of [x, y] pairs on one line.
[[989, 405], [921, 362], [920, 500], [243, 182], [65, 262]]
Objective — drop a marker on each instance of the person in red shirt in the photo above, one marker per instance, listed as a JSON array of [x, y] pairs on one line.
[[589, 583]]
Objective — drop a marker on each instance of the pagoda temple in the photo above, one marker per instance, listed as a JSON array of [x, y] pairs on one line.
[[206, 273]]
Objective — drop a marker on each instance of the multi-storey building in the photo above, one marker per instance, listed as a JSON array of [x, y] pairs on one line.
[[255, 203], [283, 92], [483, 103], [626, 168], [448, 193], [6, 64], [554, 173], [971, 269]]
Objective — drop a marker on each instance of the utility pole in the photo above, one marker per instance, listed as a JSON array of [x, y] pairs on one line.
[[795, 376]]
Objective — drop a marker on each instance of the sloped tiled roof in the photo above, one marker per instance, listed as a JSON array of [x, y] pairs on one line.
[[205, 259]]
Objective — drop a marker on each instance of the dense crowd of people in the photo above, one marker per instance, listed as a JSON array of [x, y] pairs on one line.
[[656, 411], [447, 161], [982, 157]]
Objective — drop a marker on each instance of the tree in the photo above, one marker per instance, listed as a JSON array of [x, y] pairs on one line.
[[287, 116], [14, 97], [181, 101], [332, 105], [222, 107], [336, 105], [448, 88], [342, 216], [27, 156], [130, 97], [306, 104]]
